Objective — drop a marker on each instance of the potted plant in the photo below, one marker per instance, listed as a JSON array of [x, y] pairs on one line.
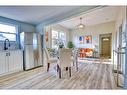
[[61, 45], [70, 45]]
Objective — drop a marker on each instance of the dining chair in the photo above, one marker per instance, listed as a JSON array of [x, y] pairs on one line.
[[75, 58], [49, 59], [64, 61]]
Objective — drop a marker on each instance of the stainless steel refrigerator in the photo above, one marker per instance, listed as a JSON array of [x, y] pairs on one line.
[[31, 43]]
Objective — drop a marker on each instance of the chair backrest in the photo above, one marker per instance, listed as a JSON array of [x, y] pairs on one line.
[[47, 53], [65, 58]]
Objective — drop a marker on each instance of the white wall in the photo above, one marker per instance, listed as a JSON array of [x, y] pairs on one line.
[[120, 20], [58, 28], [95, 31], [22, 27]]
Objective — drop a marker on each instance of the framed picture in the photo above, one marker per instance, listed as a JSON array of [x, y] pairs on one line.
[[88, 39], [81, 39], [94, 40]]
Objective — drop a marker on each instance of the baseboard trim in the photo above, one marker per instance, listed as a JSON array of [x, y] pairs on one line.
[[33, 68]]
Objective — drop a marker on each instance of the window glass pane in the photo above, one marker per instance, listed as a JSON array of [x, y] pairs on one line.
[[58, 38], [54, 39], [62, 36], [7, 28], [54, 34], [63, 42], [54, 44], [11, 37]]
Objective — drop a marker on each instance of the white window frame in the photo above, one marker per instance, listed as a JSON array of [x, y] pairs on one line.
[[59, 31], [7, 32]]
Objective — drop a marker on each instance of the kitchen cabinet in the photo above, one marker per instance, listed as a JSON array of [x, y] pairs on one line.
[[15, 61], [11, 61], [3, 63]]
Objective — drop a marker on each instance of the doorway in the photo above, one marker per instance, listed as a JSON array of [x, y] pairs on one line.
[[105, 45]]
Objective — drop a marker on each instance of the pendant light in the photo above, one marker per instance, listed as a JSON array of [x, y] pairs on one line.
[[80, 26]]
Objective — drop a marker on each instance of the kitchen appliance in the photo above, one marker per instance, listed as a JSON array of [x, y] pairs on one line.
[[31, 43]]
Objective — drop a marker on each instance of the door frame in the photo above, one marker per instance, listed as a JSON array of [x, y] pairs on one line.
[[104, 35]]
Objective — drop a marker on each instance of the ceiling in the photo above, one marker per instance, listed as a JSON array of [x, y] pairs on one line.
[[35, 14], [102, 15]]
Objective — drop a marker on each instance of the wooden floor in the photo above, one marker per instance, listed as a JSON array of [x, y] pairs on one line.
[[89, 76]]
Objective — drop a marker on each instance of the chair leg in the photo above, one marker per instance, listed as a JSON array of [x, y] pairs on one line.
[[48, 65], [66, 68], [73, 63], [70, 71], [57, 67], [60, 73], [76, 65]]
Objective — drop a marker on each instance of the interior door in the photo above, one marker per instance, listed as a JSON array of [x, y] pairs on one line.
[[106, 46]]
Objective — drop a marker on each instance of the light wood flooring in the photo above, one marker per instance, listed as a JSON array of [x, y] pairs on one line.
[[89, 76]]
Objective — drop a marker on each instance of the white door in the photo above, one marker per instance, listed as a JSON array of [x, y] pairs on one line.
[[3, 63]]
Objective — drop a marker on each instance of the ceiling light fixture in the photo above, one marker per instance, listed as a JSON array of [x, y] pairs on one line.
[[80, 26]]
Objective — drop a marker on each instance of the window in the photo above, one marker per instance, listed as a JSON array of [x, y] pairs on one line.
[[58, 37], [62, 37], [54, 39], [7, 32]]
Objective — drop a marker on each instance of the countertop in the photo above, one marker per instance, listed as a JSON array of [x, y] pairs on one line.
[[11, 50]]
